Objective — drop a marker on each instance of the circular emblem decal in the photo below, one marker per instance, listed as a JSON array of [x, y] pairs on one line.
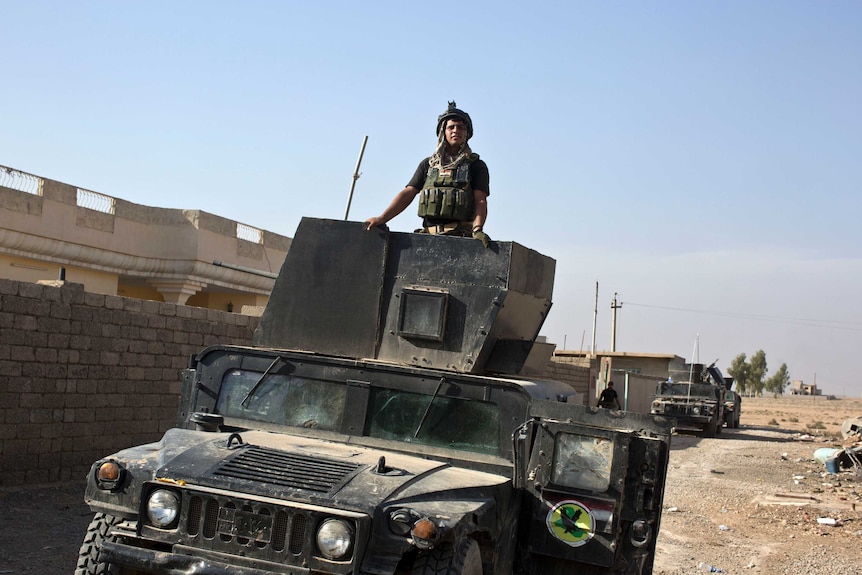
[[571, 522]]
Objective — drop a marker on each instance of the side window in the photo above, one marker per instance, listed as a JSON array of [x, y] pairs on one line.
[[283, 399], [583, 462], [453, 422]]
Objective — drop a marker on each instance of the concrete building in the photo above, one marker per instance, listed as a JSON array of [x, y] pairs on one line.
[[115, 247], [799, 388], [635, 375]]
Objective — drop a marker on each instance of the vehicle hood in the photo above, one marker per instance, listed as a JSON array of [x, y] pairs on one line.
[[308, 470]]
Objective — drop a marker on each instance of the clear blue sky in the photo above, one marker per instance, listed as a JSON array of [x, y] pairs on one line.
[[702, 159]]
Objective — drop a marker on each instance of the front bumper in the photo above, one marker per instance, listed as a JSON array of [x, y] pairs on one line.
[[173, 563], [685, 419]]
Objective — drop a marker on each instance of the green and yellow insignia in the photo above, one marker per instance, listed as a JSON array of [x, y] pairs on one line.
[[571, 522]]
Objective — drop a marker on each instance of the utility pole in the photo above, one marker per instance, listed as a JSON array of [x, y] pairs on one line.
[[595, 313], [614, 306]]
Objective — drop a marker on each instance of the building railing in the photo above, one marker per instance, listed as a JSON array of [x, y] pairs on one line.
[[249, 233], [96, 201], [32, 184], [21, 181]]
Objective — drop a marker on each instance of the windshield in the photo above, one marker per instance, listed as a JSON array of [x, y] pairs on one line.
[[430, 419], [452, 422], [686, 389], [283, 399]]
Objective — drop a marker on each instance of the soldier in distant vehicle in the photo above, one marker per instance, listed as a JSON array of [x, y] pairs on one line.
[[452, 184], [609, 397]]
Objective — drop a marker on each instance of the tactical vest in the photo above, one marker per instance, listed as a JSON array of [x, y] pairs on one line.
[[448, 194]]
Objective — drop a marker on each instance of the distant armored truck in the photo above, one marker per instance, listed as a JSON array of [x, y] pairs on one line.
[[732, 405], [379, 425], [695, 397]]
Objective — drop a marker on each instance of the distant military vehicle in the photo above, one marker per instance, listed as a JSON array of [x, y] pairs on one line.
[[379, 425], [732, 404], [695, 397]]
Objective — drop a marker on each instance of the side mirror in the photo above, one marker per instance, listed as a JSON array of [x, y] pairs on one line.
[[207, 421]]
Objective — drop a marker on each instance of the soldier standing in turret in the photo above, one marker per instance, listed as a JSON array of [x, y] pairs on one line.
[[452, 184]]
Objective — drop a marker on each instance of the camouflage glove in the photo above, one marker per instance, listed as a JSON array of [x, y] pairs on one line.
[[481, 236]]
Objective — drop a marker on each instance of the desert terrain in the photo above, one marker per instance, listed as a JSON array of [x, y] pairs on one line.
[[753, 500]]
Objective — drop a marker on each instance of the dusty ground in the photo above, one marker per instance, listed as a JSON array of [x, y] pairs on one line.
[[749, 501], [746, 502], [41, 528]]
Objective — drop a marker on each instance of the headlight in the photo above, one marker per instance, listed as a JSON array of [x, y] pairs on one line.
[[335, 538], [163, 507], [401, 521], [641, 533], [695, 410]]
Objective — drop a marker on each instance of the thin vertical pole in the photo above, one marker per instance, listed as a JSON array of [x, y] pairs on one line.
[[614, 306], [356, 175], [595, 314]]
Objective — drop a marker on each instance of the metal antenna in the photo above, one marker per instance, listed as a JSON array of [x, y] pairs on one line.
[[356, 175]]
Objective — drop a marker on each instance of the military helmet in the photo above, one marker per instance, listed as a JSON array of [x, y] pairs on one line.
[[453, 112]]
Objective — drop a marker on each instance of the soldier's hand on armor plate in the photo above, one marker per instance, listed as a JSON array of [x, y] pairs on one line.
[[482, 237], [373, 222]]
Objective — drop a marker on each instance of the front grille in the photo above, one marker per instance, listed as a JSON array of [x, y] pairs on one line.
[[678, 408], [686, 409], [290, 470], [247, 528], [244, 526]]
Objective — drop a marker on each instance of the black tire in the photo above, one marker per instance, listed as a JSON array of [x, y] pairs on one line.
[[89, 562], [464, 559], [711, 428]]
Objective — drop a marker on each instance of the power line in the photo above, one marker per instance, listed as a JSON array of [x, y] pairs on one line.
[[823, 323]]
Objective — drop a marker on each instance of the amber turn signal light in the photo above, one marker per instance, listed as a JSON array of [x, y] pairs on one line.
[[109, 475]]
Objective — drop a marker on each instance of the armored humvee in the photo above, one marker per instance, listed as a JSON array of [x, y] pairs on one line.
[[694, 397], [732, 407], [380, 424]]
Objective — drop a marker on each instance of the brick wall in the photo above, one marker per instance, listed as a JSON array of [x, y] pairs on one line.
[[577, 376], [83, 375]]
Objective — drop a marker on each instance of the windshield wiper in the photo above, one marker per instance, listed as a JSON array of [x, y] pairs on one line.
[[428, 407], [256, 385]]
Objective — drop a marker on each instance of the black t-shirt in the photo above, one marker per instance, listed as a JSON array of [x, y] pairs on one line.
[[608, 397], [479, 177]]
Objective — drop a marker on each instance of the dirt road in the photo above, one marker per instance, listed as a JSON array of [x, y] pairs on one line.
[[747, 502]]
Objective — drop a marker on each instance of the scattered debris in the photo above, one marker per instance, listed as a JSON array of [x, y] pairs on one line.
[[851, 429], [848, 457]]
